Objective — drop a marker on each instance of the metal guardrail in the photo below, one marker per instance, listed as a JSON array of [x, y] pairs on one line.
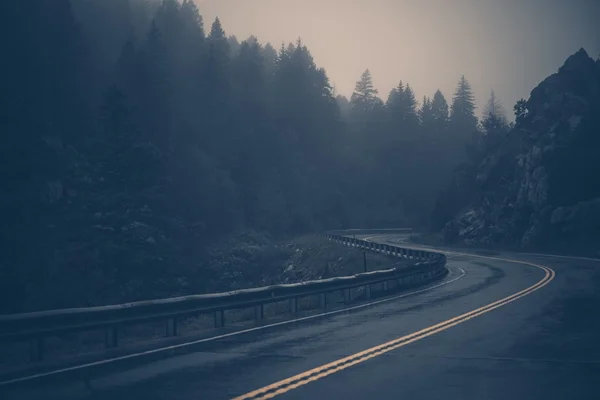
[[36, 326], [368, 231]]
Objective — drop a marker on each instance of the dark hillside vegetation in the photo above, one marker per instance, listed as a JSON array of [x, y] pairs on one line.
[[137, 136]]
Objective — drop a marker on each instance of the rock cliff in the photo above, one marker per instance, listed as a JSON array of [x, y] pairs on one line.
[[540, 187]]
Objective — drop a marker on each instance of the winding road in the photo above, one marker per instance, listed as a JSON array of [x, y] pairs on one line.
[[500, 326]]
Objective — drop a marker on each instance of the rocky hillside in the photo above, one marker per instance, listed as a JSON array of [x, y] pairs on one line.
[[540, 186]]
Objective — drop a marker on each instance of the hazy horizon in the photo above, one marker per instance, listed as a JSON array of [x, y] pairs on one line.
[[507, 46]]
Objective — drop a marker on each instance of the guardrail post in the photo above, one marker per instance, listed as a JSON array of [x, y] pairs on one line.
[[36, 349], [259, 312], [323, 300], [219, 318], [367, 291], [346, 296], [294, 306], [111, 337], [171, 327], [385, 286]]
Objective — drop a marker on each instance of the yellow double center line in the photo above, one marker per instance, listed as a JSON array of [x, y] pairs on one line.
[[314, 374]]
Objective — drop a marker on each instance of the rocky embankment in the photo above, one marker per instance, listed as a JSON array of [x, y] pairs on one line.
[[540, 188]]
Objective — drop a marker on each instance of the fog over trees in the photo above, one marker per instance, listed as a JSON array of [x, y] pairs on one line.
[[136, 133]]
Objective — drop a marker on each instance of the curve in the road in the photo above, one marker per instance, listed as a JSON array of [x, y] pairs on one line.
[[286, 385]]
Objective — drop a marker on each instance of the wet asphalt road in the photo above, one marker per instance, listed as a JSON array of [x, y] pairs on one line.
[[545, 345]]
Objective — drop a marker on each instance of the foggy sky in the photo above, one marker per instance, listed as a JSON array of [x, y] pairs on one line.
[[505, 45]]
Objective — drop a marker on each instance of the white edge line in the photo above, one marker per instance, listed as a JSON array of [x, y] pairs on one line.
[[559, 256], [257, 328]]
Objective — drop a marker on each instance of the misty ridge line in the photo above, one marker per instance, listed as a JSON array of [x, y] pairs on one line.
[[509, 47]]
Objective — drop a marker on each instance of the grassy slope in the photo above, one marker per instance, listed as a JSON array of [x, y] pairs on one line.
[[244, 260], [251, 263]]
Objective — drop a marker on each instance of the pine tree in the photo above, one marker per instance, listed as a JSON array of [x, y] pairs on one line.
[[269, 55], [402, 109], [192, 21], [344, 105], [155, 97], [520, 110], [409, 106], [494, 123], [219, 45], [426, 116], [191, 44], [439, 110], [234, 45], [168, 21], [396, 96], [493, 109], [364, 97], [462, 112], [218, 89]]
